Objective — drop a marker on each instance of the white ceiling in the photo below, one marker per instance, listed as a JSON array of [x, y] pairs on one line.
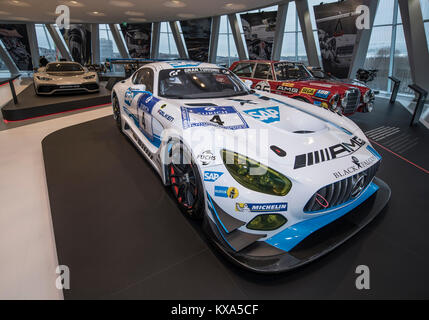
[[117, 11]]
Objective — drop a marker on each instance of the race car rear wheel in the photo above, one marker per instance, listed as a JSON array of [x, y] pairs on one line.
[[186, 182], [117, 113]]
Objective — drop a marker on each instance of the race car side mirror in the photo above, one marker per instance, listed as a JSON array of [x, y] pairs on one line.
[[248, 84]]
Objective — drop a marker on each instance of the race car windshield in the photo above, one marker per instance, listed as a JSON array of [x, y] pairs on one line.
[[63, 67], [291, 71], [199, 83]]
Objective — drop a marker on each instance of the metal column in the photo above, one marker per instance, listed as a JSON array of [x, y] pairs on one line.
[[59, 42], [95, 43], [307, 32], [280, 29], [7, 59], [34, 48], [415, 38], [214, 39], [180, 43], [154, 46], [238, 38], [119, 40]]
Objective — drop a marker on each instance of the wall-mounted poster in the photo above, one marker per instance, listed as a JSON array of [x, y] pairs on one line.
[[196, 34], [15, 39], [259, 29], [137, 37], [336, 26], [78, 39]]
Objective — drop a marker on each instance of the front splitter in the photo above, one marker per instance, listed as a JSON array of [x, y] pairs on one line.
[[261, 257]]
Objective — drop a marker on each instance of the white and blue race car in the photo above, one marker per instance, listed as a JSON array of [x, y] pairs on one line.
[[277, 182]]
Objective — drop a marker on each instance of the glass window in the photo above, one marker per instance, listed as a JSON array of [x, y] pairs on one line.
[[46, 45], [244, 69], [3, 66], [425, 8], [288, 48], [401, 68], [291, 71], [263, 71], [378, 56], [108, 47], [427, 32], [291, 17], [384, 14], [302, 53], [167, 45], [144, 76], [226, 50]]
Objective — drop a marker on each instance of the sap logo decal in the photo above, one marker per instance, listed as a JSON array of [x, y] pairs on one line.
[[267, 115], [261, 207], [128, 98], [212, 176]]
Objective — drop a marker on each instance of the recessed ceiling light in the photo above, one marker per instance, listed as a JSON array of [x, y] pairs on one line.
[[21, 19], [122, 4], [73, 3], [96, 13], [174, 4], [134, 13], [234, 6], [18, 3], [137, 19], [186, 15]]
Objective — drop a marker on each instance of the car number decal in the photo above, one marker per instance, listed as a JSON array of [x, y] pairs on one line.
[[222, 117]]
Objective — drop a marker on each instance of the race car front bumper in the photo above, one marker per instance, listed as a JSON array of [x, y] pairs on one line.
[[266, 257], [49, 89]]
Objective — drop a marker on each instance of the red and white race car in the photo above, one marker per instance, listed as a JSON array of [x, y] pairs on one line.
[[295, 80]]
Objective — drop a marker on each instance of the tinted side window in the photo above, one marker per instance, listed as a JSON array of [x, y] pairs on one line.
[[145, 76], [244, 69], [263, 71]]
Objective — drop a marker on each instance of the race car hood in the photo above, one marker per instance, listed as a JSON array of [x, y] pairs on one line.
[[66, 74], [305, 136]]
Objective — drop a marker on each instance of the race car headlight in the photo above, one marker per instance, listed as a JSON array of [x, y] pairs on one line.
[[334, 102], [44, 78], [254, 175], [368, 96], [267, 222], [89, 77]]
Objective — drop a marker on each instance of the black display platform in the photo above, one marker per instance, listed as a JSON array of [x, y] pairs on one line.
[[122, 236], [30, 105]]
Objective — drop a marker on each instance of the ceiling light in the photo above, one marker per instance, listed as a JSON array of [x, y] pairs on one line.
[[122, 4], [73, 3], [19, 3], [134, 13], [21, 19], [4, 13], [234, 6], [174, 4], [96, 13], [186, 15], [137, 19]]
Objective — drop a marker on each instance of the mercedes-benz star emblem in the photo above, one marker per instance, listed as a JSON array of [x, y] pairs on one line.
[[356, 162]]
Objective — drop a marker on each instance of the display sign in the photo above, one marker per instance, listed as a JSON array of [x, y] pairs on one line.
[[196, 34], [337, 31], [78, 39], [259, 29], [15, 39], [137, 37]]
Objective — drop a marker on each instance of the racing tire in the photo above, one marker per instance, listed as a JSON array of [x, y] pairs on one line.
[[117, 113], [185, 181]]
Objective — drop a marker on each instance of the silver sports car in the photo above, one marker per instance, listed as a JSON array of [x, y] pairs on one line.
[[64, 77]]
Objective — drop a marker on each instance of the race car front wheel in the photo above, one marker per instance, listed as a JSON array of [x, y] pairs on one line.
[[117, 113], [186, 182]]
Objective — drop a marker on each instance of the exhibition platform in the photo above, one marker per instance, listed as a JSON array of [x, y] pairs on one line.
[[122, 235], [31, 105]]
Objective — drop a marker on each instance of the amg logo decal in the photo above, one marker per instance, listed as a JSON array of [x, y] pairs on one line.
[[337, 151]]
